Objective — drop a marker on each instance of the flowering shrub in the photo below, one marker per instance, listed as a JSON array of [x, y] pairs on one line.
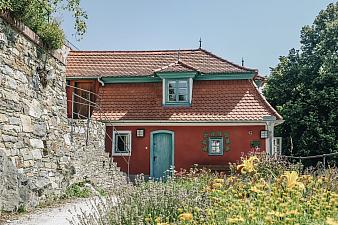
[[252, 195]]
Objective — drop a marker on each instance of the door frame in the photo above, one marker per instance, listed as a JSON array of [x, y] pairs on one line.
[[152, 147]]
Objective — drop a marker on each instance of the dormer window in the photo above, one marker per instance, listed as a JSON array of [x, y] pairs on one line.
[[178, 91], [177, 83]]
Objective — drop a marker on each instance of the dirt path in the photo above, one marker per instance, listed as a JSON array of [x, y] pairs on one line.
[[55, 216]]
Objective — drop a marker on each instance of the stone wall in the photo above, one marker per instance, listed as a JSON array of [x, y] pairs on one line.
[[37, 155], [90, 160]]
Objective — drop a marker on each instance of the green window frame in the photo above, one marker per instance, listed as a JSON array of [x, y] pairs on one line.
[[216, 146], [177, 92]]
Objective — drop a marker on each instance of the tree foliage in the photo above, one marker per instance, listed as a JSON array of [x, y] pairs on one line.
[[38, 15], [304, 88]]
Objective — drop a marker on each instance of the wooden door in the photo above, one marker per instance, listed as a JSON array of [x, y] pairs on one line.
[[162, 153]]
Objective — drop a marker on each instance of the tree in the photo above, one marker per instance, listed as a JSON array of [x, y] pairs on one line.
[[304, 89], [38, 15]]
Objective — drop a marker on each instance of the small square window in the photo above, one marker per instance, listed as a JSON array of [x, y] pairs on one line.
[[121, 143], [215, 146], [264, 134], [140, 133]]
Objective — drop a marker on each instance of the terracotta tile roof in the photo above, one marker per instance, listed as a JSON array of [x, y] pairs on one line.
[[177, 66], [144, 63], [236, 100]]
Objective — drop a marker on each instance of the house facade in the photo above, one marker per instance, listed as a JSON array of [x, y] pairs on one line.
[[172, 108]]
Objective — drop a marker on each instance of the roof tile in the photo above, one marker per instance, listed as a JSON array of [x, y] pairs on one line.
[[144, 63], [212, 101]]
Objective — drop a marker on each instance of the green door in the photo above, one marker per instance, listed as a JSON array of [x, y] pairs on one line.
[[162, 153]]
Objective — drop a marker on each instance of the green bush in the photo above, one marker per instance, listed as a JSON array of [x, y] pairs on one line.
[[37, 15], [78, 190], [52, 35]]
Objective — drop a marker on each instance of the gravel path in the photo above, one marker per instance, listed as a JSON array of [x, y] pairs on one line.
[[55, 216]]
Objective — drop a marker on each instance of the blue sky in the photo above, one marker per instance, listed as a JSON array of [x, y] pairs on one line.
[[258, 30]]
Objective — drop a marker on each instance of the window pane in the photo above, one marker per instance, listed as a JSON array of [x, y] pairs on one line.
[[171, 91], [216, 146], [172, 98], [182, 83], [121, 143], [182, 98], [172, 84], [183, 91]]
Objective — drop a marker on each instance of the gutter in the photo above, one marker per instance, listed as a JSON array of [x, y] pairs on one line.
[[100, 81]]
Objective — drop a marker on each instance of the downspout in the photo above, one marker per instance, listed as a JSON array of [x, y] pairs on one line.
[[270, 123], [100, 81]]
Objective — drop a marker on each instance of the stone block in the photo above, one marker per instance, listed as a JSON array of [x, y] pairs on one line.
[[11, 83], [14, 120], [11, 128], [26, 123], [35, 109], [20, 76], [40, 129], [10, 95], [3, 118], [66, 137], [8, 70], [36, 143], [28, 163], [19, 144], [36, 153], [27, 156], [7, 138]]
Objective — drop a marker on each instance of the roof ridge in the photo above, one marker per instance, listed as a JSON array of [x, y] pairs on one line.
[[131, 51], [227, 61]]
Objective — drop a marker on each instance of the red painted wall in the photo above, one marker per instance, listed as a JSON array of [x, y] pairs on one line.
[[188, 146]]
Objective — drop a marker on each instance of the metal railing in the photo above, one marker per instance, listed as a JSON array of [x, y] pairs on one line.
[[93, 106], [324, 156]]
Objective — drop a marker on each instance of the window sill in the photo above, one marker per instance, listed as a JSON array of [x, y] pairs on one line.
[[215, 154], [121, 154], [172, 104]]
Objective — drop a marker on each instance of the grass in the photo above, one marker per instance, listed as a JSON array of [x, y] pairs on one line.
[[78, 190]]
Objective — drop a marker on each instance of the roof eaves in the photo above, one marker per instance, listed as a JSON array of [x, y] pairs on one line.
[[267, 104]]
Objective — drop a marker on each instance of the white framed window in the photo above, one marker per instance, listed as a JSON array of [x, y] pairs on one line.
[[121, 143], [277, 145]]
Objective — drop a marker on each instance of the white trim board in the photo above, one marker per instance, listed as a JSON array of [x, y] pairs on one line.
[[128, 132], [166, 123]]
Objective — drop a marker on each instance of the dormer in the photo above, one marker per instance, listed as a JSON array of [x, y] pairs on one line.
[[177, 83]]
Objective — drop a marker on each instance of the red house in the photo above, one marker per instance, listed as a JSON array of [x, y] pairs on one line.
[[171, 108]]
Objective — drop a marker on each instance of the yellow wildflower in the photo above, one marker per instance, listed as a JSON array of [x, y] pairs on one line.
[[255, 189], [185, 217], [158, 220], [221, 181], [248, 165], [235, 220], [292, 212], [217, 185], [291, 180], [163, 224], [331, 221]]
